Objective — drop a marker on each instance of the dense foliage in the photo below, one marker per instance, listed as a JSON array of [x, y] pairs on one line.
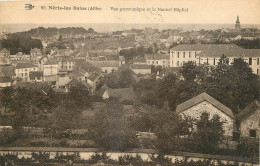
[[18, 43], [97, 158]]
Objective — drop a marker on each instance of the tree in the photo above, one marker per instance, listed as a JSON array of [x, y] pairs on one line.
[[6, 97], [234, 85], [78, 97], [188, 71], [111, 130], [209, 134]]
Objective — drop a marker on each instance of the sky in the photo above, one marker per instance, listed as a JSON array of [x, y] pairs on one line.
[[199, 12]]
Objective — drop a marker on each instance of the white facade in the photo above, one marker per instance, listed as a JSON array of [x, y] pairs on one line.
[[254, 63], [23, 73], [180, 57], [159, 62], [49, 70]]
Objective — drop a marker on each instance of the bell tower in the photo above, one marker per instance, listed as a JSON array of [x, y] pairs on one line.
[[237, 26]]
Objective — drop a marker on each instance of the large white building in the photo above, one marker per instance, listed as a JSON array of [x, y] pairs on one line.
[[22, 70], [210, 54]]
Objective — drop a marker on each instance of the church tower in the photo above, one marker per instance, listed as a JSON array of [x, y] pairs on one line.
[[237, 26]]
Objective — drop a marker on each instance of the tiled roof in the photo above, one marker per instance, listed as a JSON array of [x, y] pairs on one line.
[[24, 65], [248, 111], [88, 67], [108, 64], [140, 66], [200, 98], [4, 50], [51, 61], [5, 79], [156, 56], [112, 57], [212, 50], [139, 59], [94, 76], [252, 52]]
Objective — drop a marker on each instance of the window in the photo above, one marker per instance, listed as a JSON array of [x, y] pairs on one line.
[[214, 61], [252, 133], [183, 54], [257, 71], [195, 54], [257, 61], [207, 61], [236, 136], [189, 54], [178, 54], [178, 63], [250, 61]]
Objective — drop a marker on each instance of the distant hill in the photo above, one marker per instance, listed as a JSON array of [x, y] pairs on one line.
[[51, 31]]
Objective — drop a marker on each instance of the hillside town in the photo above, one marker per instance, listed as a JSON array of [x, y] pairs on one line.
[[165, 90]]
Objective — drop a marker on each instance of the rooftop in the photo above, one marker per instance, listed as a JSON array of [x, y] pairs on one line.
[[156, 56], [140, 66], [94, 76], [248, 111], [252, 52], [200, 98], [24, 65]]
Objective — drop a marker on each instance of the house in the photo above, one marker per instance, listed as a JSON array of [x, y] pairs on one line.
[[4, 53], [35, 52], [252, 57], [93, 79], [204, 103], [139, 60], [107, 67], [62, 80], [75, 83], [124, 95], [158, 59], [22, 70], [6, 75], [36, 76], [249, 121], [50, 69], [65, 63], [141, 68], [20, 56], [87, 67]]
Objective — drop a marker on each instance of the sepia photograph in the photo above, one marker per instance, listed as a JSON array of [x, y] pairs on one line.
[[129, 83]]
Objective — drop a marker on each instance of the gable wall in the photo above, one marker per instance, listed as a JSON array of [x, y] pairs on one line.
[[196, 111], [251, 123]]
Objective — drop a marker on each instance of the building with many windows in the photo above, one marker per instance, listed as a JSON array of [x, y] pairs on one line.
[[22, 70], [210, 54]]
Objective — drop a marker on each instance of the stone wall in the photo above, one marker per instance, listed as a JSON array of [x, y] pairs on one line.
[[251, 123], [206, 107]]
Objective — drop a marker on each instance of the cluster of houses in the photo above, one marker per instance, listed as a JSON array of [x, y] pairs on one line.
[[62, 66]]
